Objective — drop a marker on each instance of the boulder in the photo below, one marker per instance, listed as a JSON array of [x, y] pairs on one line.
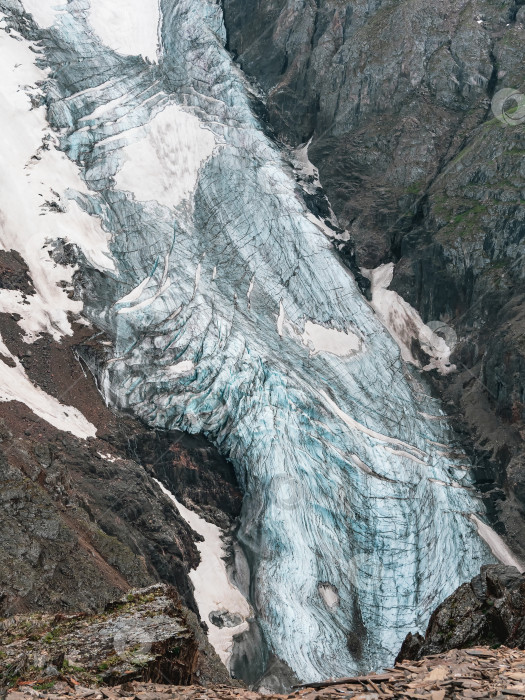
[[147, 636], [490, 610]]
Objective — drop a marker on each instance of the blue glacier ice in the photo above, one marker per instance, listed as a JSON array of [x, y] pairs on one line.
[[350, 485]]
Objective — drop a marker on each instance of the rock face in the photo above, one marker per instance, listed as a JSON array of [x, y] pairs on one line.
[[146, 636], [395, 98], [490, 610], [77, 528], [192, 469], [81, 522]]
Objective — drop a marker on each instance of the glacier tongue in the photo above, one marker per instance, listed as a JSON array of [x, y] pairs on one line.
[[353, 522]]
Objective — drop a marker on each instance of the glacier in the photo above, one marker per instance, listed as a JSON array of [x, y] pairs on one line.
[[230, 314]]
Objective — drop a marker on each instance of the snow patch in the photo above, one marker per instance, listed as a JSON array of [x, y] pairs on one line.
[[179, 369], [321, 339], [163, 163], [304, 164], [43, 11], [129, 27], [329, 595], [108, 457], [250, 289], [197, 277], [135, 294], [15, 385], [496, 544], [404, 323], [451, 484], [37, 186], [280, 320], [213, 589], [326, 230]]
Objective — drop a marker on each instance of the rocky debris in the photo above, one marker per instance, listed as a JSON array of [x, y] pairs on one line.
[[14, 273], [148, 635], [479, 672], [193, 470], [488, 610]]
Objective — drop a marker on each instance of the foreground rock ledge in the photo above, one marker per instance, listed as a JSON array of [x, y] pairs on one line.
[[480, 672], [146, 636]]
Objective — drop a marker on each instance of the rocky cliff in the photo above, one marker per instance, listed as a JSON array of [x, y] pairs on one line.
[[488, 610], [414, 116]]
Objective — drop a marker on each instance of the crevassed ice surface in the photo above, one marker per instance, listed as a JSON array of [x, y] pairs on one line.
[[355, 521]]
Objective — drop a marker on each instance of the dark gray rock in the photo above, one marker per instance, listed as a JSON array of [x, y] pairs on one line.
[[77, 530], [490, 610], [14, 273]]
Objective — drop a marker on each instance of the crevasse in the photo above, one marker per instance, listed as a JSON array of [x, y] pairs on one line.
[[355, 521]]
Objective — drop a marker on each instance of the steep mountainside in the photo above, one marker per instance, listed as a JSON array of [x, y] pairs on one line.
[[83, 521], [158, 240], [399, 101]]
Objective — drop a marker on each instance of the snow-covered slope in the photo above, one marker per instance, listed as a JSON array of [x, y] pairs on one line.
[[231, 315]]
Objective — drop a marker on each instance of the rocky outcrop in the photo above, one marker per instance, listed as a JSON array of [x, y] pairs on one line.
[[395, 98], [490, 610], [79, 523], [14, 273], [191, 468], [473, 673], [147, 635], [83, 521]]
